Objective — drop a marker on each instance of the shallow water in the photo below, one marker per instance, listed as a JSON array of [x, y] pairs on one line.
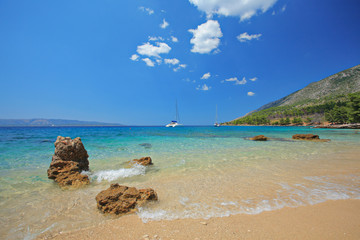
[[198, 172]]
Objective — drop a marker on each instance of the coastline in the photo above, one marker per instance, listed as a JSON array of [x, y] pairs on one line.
[[338, 219], [331, 126]]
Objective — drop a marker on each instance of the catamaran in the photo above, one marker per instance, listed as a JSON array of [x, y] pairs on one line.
[[175, 123], [216, 124]]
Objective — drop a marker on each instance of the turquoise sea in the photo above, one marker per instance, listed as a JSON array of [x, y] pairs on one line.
[[198, 172]]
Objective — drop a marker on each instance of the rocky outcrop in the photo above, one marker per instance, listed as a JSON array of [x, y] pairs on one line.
[[309, 137], [259, 138], [145, 161], [69, 160], [120, 199], [305, 136]]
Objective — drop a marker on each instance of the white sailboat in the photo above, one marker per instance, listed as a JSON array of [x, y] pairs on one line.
[[216, 124], [175, 123]]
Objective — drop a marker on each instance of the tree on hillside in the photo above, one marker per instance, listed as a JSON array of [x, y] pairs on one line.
[[354, 108], [337, 115]]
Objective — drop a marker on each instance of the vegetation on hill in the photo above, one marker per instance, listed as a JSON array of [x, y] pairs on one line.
[[346, 109], [342, 83], [335, 99]]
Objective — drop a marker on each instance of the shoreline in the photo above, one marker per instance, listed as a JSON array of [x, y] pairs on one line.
[[339, 219], [333, 126]]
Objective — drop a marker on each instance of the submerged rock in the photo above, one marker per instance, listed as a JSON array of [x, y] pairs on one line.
[[146, 145], [118, 199], [259, 138], [309, 137], [145, 161], [305, 136], [69, 160]]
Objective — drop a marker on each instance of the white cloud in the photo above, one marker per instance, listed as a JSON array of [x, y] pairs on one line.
[[246, 37], [148, 62], [253, 79], [134, 57], [150, 50], [147, 10], [283, 8], [179, 67], [250, 94], [172, 61], [158, 61], [245, 9], [206, 37], [206, 76], [164, 24], [235, 80], [174, 39], [204, 87], [156, 38]]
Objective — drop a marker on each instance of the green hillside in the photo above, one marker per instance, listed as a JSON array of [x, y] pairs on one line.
[[333, 99]]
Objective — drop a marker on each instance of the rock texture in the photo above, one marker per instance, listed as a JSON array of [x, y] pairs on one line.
[[305, 136], [120, 199], [69, 160], [145, 161], [259, 138]]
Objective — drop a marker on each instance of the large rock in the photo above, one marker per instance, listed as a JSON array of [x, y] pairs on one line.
[[145, 161], [120, 199], [259, 138], [305, 136], [69, 160]]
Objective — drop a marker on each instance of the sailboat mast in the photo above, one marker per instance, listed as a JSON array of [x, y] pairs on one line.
[[177, 113], [216, 115]]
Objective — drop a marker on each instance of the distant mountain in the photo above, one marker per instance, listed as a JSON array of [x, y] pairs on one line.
[[309, 104], [40, 122], [345, 82]]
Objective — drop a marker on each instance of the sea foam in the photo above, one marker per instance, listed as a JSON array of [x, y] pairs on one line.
[[319, 190], [111, 175]]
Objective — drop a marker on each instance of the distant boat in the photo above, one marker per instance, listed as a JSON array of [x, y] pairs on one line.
[[216, 124], [175, 123]]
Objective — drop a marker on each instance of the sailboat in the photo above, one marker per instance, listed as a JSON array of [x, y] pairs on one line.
[[175, 123], [216, 124]]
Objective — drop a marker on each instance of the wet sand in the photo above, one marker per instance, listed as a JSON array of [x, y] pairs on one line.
[[338, 219]]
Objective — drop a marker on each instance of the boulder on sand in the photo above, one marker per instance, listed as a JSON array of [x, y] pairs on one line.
[[118, 199], [145, 161], [259, 138], [69, 160]]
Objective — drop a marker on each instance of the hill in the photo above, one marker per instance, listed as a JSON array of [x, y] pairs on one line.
[[39, 122], [311, 104]]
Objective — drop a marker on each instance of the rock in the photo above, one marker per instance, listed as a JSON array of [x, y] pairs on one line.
[[69, 160], [309, 137], [259, 138], [305, 136], [145, 161], [146, 145], [120, 199]]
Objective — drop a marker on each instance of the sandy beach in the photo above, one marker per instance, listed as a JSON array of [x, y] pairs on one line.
[[329, 220], [211, 184]]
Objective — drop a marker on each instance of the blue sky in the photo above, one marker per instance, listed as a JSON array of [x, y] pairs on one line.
[[129, 61]]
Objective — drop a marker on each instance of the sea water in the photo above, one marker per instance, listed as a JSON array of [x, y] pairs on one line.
[[198, 172]]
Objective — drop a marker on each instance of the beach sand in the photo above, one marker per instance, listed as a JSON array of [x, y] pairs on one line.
[[338, 219]]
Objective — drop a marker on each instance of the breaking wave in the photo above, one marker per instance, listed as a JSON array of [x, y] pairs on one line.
[[314, 190], [111, 175]]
